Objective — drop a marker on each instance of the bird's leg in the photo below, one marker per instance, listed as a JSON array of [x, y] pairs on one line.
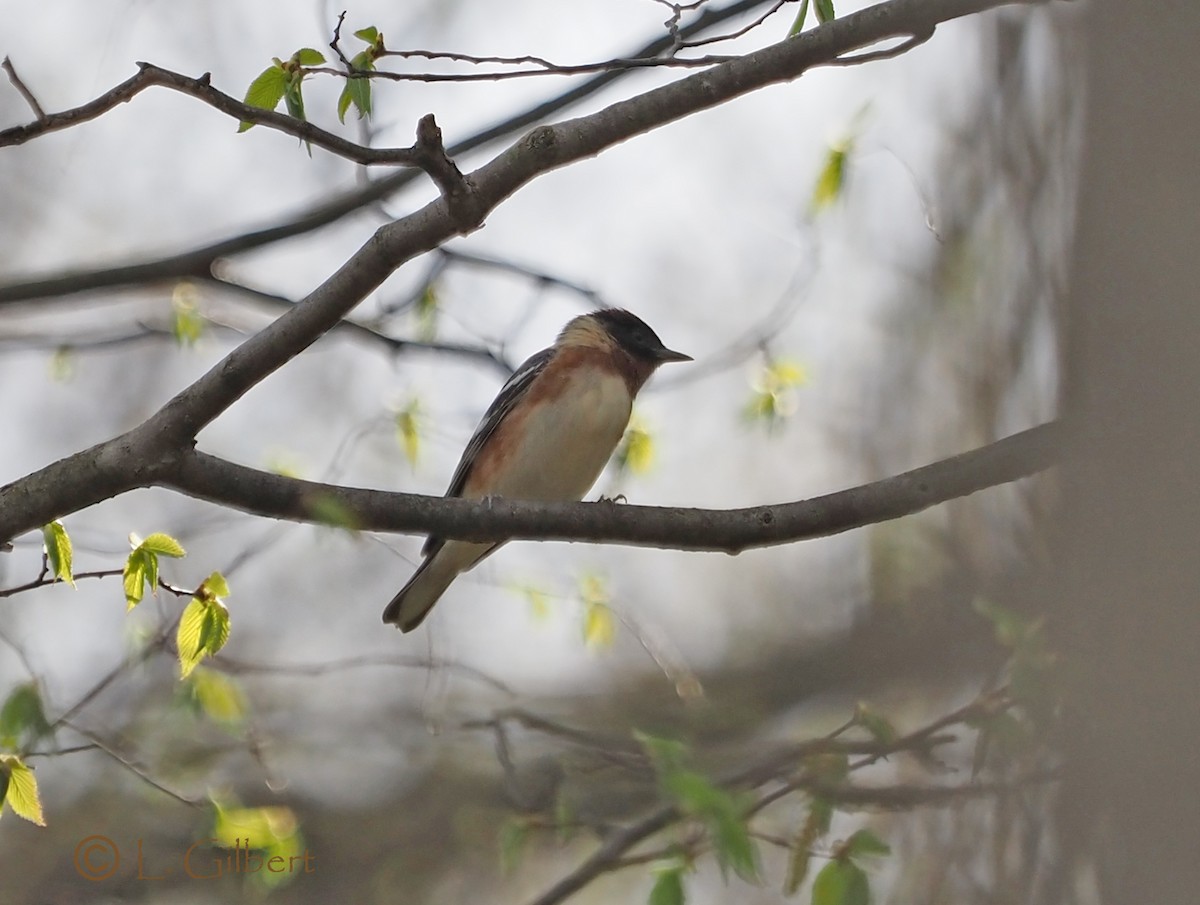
[[612, 500]]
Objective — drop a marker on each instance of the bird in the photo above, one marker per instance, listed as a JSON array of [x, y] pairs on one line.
[[547, 436]]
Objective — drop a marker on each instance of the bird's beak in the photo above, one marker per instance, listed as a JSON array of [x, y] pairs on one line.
[[664, 355]]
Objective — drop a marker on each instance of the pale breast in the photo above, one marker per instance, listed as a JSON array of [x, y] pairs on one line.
[[564, 444]]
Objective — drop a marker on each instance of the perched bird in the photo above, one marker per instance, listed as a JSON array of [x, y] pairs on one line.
[[547, 436]]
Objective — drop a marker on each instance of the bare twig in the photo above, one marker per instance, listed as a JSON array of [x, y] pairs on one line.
[[22, 89], [364, 662], [133, 768]]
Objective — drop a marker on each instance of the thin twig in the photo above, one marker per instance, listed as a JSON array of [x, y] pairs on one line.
[[22, 89]]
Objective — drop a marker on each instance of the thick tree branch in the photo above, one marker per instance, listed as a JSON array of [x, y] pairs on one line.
[[730, 530], [156, 452]]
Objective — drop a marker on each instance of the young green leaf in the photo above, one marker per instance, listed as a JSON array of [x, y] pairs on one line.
[[370, 34], [23, 718], [218, 697], [163, 545], [875, 723], [203, 630], [723, 815], [22, 792], [599, 623], [133, 577], [213, 586], [668, 887], [773, 389], [332, 513], [357, 91], [273, 830], [733, 845], [428, 309], [62, 364], [816, 825], [360, 88], [798, 24], [538, 600], [58, 551], [824, 10], [187, 324], [307, 56], [266, 91], [293, 95], [832, 177], [667, 754], [513, 835], [864, 842], [408, 429], [841, 883], [599, 627], [635, 453]]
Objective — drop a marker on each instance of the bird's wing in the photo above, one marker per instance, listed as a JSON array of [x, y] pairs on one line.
[[510, 394]]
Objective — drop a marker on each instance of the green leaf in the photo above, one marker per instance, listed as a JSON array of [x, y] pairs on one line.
[[163, 545], [875, 723], [668, 887], [635, 453], [62, 364], [824, 9], [538, 600], [816, 825], [841, 883], [218, 696], [23, 718], [213, 586], [865, 842], [133, 576], [370, 34], [408, 430], [667, 754], [203, 630], [599, 623], [358, 90], [58, 551], [273, 830], [307, 56], [22, 792], [331, 512], [599, 626], [188, 324], [734, 847], [697, 796], [266, 91], [798, 24], [774, 388], [343, 103], [293, 95], [832, 177], [513, 836], [428, 308]]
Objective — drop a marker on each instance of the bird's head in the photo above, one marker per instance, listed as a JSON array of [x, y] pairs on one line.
[[619, 330]]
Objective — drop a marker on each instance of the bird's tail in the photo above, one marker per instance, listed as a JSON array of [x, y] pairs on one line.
[[409, 608]]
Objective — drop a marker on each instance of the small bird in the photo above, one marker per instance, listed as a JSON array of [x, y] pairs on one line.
[[547, 436]]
